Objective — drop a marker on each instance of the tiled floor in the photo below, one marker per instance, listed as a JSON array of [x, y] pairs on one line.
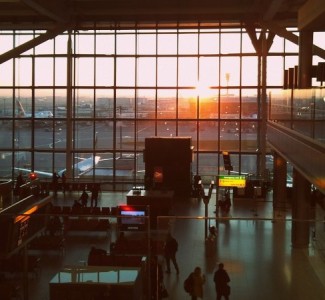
[[255, 250]]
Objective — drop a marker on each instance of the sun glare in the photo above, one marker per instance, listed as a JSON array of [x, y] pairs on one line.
[[203, 91]]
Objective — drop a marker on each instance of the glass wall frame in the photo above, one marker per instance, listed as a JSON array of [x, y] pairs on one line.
[[131, 84]]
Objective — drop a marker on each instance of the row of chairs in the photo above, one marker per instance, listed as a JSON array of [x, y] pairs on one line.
[[67, 210]]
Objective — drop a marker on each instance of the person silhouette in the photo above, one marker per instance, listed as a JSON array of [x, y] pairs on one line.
[[170, 249], [221, 279]]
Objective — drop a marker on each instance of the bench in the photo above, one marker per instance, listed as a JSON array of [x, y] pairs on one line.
[[48, 242], [86, 224], [15, 264]]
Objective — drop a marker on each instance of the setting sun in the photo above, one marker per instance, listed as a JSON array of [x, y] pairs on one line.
[[203, 90]]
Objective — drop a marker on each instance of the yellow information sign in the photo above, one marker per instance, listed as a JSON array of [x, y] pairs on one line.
[[232, 181]]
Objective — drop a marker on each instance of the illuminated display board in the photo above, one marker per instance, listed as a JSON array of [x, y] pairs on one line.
[[21, 221], [232, 181]]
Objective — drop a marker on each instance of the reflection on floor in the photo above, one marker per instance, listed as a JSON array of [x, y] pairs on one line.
[[255, 250]]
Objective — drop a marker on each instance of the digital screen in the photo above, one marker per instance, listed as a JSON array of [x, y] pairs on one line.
[[22, 221], [232, 181], [132, 217], [137, 214]]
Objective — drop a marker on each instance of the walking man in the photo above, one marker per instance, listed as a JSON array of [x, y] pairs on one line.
[[221, 279], [170, 249]]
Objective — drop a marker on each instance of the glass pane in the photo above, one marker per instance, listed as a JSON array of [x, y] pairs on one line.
[[60, 133], [85, 43], [249, 136], [188, 44], [209, 107], [144, 129], [84, 105], [84, 135], [187, 104], [167, 44], [125, 44], [274, 68], [146, 44], [208, 165], [187, 71], [188, 129], [229, 136], [125, 71], [249, 107], [61, 44], [60, 71], [145, 103], [291, 47], [229, 71], [167, 71], [209, 71], [45, 48], [249, 164], [22, 159], [247, 46], [146, 69], [277, 45], [166, 128], [43, 163], [23, 72], [209, 43], [104, 134], [6, 43], [230, 106], [6, 137], [105, 44], [104, 71], [104, 103], [290, 62], [6, 103], [230, 43], [166, 108], [208, 135], [125, 104], [125, 135], [249, 71], [23, 38], [85, 71], [43, 135], [6, 73]]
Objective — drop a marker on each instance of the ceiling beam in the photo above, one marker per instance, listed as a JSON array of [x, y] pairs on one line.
[[311, 16], [290, 36], [272, 10], [50, 34], [55, 10]]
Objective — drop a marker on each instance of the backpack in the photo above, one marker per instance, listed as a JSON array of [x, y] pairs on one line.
[[188, 284]]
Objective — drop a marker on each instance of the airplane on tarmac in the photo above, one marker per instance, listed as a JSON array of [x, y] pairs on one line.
[[39, 114], [80, 167]]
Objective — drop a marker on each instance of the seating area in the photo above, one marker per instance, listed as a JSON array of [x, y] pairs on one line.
[[91, 211], [84, 218], [49, 243], [86, 224], [15, 264]]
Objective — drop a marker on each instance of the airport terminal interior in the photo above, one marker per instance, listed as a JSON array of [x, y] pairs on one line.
[[124, 121]]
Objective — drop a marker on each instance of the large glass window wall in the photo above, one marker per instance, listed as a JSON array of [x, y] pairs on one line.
[[128, 85]]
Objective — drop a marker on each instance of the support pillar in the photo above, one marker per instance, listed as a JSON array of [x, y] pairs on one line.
[[305, 59], [300, 211], [279, 186], [69, 129]]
